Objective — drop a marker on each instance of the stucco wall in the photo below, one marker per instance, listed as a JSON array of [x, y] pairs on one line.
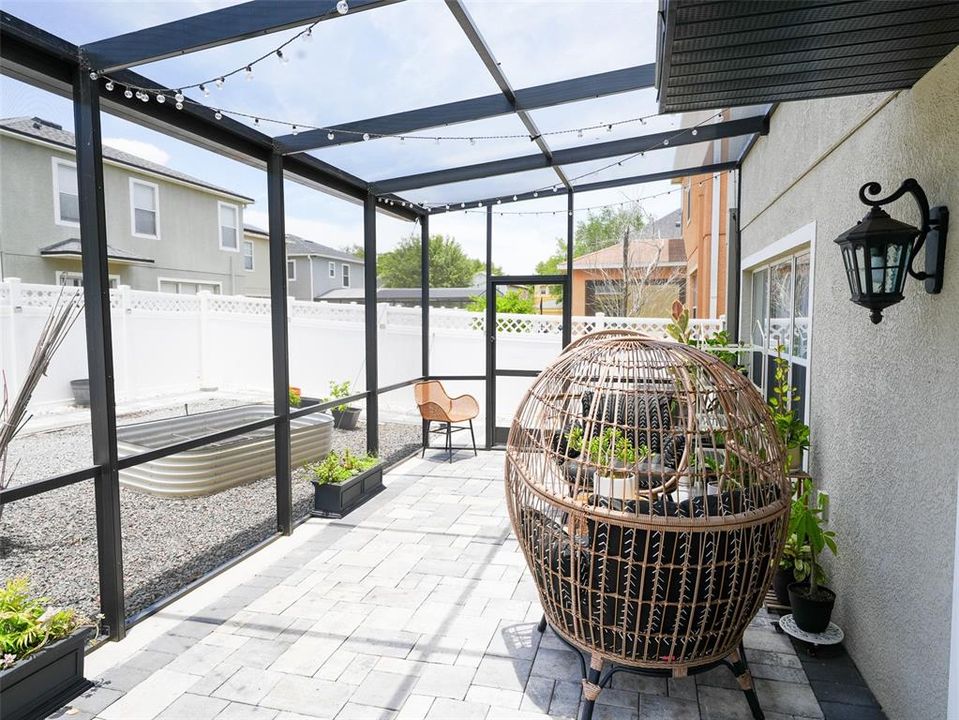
[[187, 249], [884, 401]]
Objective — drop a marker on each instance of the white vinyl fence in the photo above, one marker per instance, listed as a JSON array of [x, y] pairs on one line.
[[166, 344]]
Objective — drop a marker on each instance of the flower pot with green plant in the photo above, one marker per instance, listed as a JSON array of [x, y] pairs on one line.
[[41, 653], [793, 432], [343, 482], [345, 416], [616, 462], [794, 556], [811, 601]]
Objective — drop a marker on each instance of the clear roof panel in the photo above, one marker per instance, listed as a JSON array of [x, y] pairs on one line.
[[389, 157], [472, 190], [543, 41]]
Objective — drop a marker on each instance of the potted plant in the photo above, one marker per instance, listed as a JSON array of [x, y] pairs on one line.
[[793, 567], [41, 654], [296, 397], [615, 459], [811, 601], [344, 416], [342, 483], [793, 432]]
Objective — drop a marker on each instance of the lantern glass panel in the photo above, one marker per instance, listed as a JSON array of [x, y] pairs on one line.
[[861, 268]]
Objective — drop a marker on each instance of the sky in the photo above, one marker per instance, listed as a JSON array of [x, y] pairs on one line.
[[400, 57]]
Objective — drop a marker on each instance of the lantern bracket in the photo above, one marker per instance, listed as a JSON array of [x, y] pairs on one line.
[[932, 231]]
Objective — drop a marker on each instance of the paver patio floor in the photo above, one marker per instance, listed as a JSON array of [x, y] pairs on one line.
[[417, 605]]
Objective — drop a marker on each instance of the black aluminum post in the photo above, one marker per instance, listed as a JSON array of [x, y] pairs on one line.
[[490, 334], [568, 285], [425, 304], [281, 343], [734, 256], [370, 318], [96, 295]]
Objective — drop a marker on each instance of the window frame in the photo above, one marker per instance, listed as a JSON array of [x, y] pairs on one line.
[[133, 214], [252, 255], [332, 269], [290, 262], [59, 162], [347, 273], [114, 280], [689, 201], [798, 244], [236, 229], [192, 281]]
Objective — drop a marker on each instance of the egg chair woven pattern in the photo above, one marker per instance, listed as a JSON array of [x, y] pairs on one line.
[[645, 483]]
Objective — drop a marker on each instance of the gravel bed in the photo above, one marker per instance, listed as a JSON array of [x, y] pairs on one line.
[[167, 543]]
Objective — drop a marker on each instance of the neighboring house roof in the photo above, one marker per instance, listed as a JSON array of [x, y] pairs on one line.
[[254, 230], [665, 230], [71, 248], [52, 133], [297, 246], [414, 295]]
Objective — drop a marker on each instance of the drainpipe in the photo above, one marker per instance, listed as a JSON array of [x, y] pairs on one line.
[[734, 256]]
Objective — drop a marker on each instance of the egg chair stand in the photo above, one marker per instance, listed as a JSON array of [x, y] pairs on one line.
[[595, 680], [646, 486]]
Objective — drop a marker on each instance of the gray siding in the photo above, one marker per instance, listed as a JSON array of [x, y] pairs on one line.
[[883, 400], [188, 247], [301, 288]]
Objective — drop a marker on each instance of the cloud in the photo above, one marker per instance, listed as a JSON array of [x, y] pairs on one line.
[[145, 150]]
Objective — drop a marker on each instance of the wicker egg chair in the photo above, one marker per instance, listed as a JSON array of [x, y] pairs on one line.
[[645, 483]]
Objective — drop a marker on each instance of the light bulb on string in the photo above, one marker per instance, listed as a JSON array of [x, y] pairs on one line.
[[330, 135], [308, 35], [295, 130], [366, 136], [219, 83], [695, 131], [161, 98], [514, 198], [579, 133], [609, 128], [205, 90], [178, 96], [283, 58], [109, 85], [128, 93], [218, 115], [499, 202], [536, 194], [342, 7], [248, 72], [179, 106], [472, 141], [666, 141], [144, 97], [256, 121], [93, 75]]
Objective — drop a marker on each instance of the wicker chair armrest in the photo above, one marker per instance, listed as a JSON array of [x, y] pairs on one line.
[[433, 411], [464, 407]]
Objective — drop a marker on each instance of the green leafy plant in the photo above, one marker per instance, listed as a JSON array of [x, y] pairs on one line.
[[612, 448], [27, 624], [806, 524], [512, 301], [679, 329], [337, 468], [717, 344], [295, 397], [793, 432], [340, 390], [574, 439]]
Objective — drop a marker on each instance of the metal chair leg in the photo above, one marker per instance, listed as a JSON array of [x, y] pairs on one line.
[[473, 437], [449, 441], [426, 439], [740, 669], [542, 624], [591, 688]]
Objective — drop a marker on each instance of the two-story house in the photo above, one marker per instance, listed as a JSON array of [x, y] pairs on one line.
[[166, 230], [312, 269]]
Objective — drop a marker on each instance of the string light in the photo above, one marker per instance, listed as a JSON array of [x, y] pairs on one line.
[[109, 85], [203, 89], [218, 115], [248, 72], [128, 93], [219, 83], [179, 106], [161, 98], [330, 135], [342, 7]]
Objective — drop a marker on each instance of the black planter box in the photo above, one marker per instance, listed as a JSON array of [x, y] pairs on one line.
[[46, 681], [334, 500]]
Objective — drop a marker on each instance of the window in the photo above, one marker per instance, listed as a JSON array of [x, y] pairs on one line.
[[229, 227], [291, 270], [188, 287], [689, 199], [66, 201], [75, 279], [247, 255], [780, 318], [346, 275], [144, 209], [332, 269]]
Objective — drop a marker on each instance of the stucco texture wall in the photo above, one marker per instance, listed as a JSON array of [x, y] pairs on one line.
[[884, 399]]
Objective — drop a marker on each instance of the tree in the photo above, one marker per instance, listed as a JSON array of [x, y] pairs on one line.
[[512, 301], [596, 232], [449, 265]]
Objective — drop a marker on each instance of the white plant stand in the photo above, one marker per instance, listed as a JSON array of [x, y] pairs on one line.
[[832, 635]]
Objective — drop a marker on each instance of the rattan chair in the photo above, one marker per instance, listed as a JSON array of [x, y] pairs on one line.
[[436, 406], [645, 483]]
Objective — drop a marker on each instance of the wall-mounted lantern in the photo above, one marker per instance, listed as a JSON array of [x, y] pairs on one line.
[[879, 251]]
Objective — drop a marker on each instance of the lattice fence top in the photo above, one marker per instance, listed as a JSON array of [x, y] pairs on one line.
[[441, 319]]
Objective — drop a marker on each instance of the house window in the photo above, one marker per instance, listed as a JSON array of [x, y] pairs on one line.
[[188, 287], [332, 269], [291, 269], [247, 255], [144, 209], [780, 318], [75, 279], [66, 201], [689, 200], [346, 275], [229, 227]]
